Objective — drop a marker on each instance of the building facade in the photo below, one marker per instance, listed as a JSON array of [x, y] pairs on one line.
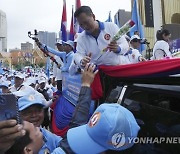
[[48, 38], [3, 32], [26, 46], [123, 16]]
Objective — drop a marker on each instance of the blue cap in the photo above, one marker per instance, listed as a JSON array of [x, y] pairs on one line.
[[28, 100], [71, 43], [109, 128]]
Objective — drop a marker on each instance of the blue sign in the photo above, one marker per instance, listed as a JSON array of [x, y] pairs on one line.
[[175, 45], [71, 86]]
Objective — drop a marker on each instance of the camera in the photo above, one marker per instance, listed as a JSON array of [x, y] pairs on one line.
[[144, 41]]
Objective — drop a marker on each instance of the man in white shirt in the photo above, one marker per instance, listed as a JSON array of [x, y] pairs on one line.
[[133, 55], [19, 83], [56, 68], [95, 38]]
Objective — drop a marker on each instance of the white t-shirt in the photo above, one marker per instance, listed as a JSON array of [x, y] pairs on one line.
[[161, 50]]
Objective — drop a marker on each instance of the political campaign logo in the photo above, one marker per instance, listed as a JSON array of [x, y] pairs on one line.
[[107, 37], [94, 119]]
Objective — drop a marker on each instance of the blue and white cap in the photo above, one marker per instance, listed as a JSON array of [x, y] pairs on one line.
[[110, 127], [29, 100], [59, 42], [69, 42]]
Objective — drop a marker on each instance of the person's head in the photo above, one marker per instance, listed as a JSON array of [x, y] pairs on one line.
[[136, 33], [69, 46], [5, 86], [163, 34], [60, 45], [109, 128], [30, 143], [86, 18], [19, 79], [5, 89], [31, 109], [135, 41], [42, 82]]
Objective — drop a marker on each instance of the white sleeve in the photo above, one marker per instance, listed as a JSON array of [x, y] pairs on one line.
[[166, 49], [73, 68], [80, 50], [122, 42], [50, 93], [54, 70]]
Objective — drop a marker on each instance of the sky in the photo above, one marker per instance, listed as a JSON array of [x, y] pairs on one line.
[[45, 15]]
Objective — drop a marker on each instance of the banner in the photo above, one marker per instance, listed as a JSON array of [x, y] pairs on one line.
[[71, 86]]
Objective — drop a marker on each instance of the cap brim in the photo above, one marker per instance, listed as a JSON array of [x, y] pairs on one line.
[[19, 77], [30, 104], [80, 142]]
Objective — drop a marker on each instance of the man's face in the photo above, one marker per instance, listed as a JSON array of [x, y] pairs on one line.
[[42, 85], [36, 136], [18, 81], [33, 114], [87, 22], [60, 47], [68, 48], [136, 44], [5, 90]]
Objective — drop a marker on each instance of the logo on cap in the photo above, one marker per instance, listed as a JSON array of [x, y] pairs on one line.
[[94, 119], [118, 140], [31, 98], [107, 36]]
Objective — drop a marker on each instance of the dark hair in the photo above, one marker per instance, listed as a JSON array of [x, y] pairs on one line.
[[160, 33], [20, 144], [83, 9]]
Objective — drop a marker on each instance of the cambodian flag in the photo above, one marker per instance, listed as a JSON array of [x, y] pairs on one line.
[[71, 35], [64, 22], [78, 29]]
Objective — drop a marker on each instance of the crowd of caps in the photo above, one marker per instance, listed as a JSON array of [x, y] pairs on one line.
[[111, 124]]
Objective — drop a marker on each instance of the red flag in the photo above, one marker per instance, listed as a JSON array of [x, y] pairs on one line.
[[78, 4], [71, 35], [64, 22], [78, 29]]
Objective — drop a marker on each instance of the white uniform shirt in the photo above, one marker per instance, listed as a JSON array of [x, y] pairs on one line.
[[88, 44], [21, 88], [57, 71], [133, 56], [161, 46]]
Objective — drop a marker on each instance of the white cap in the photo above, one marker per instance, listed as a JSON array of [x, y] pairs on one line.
[[5, 84], [30, 81], [20, 75], [41, 80], [135, 37]]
